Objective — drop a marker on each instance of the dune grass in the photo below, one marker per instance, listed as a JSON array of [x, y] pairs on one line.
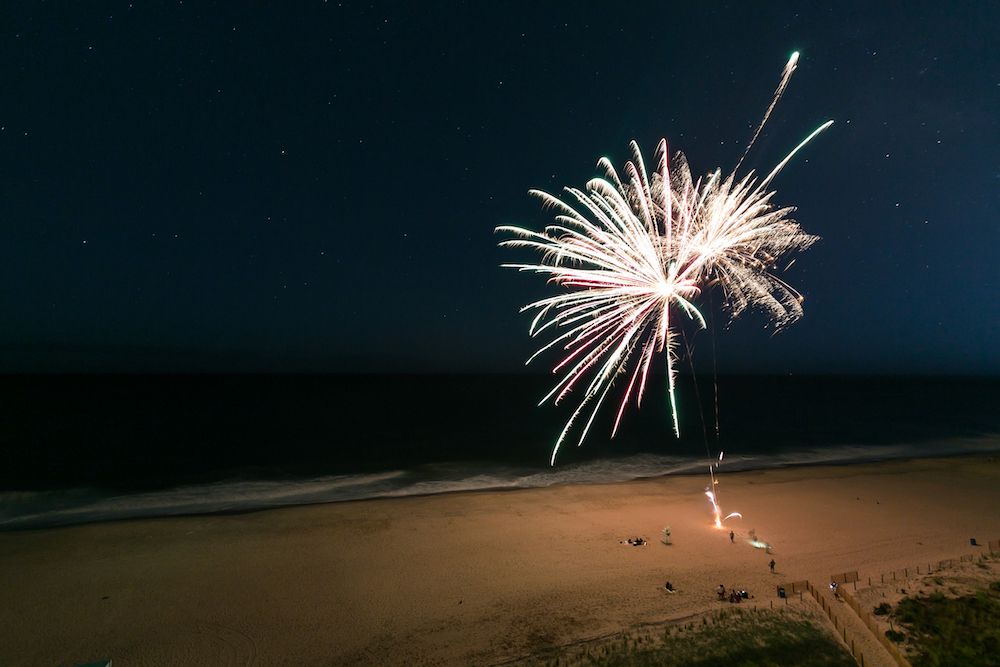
[[952, 631], [753, 638]]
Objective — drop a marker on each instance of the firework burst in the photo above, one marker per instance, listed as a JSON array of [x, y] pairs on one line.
[[634, 253]]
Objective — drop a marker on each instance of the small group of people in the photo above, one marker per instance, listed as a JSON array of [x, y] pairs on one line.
[[637, 542], [734, 596]]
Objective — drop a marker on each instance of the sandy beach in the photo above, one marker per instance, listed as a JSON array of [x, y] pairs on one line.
[[478, 578]]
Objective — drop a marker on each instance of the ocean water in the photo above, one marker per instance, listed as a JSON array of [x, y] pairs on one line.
[[79, 449]]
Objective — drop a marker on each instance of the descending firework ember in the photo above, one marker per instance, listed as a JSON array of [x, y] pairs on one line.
[[634, 254]]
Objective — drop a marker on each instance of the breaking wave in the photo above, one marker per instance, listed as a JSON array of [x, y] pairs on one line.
[[44, 509]]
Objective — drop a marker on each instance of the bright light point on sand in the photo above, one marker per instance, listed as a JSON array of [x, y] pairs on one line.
[[710, 492], [715, 506]]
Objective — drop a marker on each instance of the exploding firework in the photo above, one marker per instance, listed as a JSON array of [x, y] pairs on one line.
[[634, 253]]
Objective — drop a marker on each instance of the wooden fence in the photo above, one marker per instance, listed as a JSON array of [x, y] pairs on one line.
[[906, 572], [872, 625], [867, 619], [841, 628], [793, 588], [845, 578]]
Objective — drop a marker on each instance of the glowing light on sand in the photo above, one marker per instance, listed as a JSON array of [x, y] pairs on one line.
[[635, 252], [714, 498], [715, 506]]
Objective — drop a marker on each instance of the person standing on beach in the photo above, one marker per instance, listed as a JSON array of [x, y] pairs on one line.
[[772, 566], [731, 536]]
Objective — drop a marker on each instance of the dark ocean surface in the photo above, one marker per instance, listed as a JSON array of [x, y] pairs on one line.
[[80, 448]]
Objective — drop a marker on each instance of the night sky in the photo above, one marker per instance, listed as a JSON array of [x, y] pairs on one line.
[[313, 186]]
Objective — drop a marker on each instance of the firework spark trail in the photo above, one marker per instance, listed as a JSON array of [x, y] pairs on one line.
[[713, 495], [632, 250], [785, 76]]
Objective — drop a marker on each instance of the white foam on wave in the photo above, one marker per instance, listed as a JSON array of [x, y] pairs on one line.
[[45, 509], [83, 505]]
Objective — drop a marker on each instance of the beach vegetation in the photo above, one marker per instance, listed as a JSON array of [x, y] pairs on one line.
[[951, 630], [752, 638], [883, 609]]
